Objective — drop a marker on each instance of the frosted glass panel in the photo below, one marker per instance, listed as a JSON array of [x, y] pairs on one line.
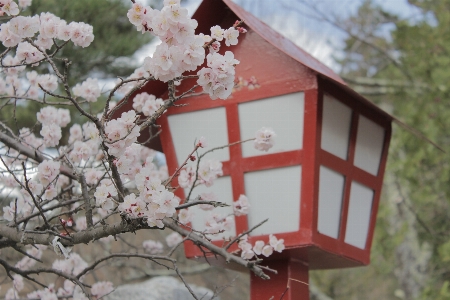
[[188, 127], [358, 220], [284, 114], [336, 121], [369, 145], [331, 191], [274, 194], [223, 191]]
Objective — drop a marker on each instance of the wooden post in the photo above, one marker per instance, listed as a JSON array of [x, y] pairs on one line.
[[291, 282]]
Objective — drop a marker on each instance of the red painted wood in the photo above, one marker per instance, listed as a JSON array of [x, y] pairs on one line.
[[281, 69], [290, 282]]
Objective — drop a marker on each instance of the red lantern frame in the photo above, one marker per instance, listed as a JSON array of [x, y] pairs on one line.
[[263, 53]]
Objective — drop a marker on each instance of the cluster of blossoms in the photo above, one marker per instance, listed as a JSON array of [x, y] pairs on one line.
[[154, 203], [181, 50], [264, 139], [218, 79], [208, 171], [88, 89], [121, 133], [217, 223], [49, 27], [153, 247], [241, 206], [260, 248], [147, 104], [11, 8], [173, 239], [136, 166], [85, 141], [73, 265], [43, 186], [52, 119]]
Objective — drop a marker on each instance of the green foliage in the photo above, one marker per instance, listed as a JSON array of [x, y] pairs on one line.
[[115, 38], [109, 55], [405, 64]]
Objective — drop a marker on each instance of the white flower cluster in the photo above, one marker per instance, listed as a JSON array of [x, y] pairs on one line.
[[103, 197], [49, 27], [241, 207], [27, 262], [248, 251], [85, 143], [218, 79], [88, 89], [73, 265], [147, 104], [217, 223], [153, 247], [208, 171], [185, 216], [264, 139], [121, 133], [29, 139], [43, 186], [181, 50], [154, 203], [173, 239], [69, 290], [52, 119]]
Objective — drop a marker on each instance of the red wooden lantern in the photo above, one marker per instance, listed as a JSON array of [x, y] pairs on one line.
[[321, 183]]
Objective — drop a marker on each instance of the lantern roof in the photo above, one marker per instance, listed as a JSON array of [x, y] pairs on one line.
[[210, 11]]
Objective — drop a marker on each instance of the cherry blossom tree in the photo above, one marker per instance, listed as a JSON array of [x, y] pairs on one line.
[[102, 182]]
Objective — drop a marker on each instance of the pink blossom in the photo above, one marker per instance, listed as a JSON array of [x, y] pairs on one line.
[[24, 3], [49, 193], [173, 239], [186, 177], [264, 139], [88, 89], [51, 134], [153, 247], [209, 170], [102, 288], [259, 245], [81, 34], [277, 244], [47, 171], [185, 216], [217, 33], [267, 250], [231, 36], [241, 206]]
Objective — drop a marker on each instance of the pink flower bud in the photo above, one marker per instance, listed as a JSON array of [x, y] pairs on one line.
[[241, 29]]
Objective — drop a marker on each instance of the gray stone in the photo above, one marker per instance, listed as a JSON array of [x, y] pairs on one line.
[[159, 288]]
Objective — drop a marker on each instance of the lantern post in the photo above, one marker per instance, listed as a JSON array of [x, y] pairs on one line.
[[321, 183]]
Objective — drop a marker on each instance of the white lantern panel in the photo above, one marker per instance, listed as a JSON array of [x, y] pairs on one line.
[[274, 194], [331, 192], [369, 145], [187, 128], [284, 114], [336, 121], [223, 190], [358, 218]]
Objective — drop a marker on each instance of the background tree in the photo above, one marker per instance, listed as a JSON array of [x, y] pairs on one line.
[[110, 55], [402, 65]]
